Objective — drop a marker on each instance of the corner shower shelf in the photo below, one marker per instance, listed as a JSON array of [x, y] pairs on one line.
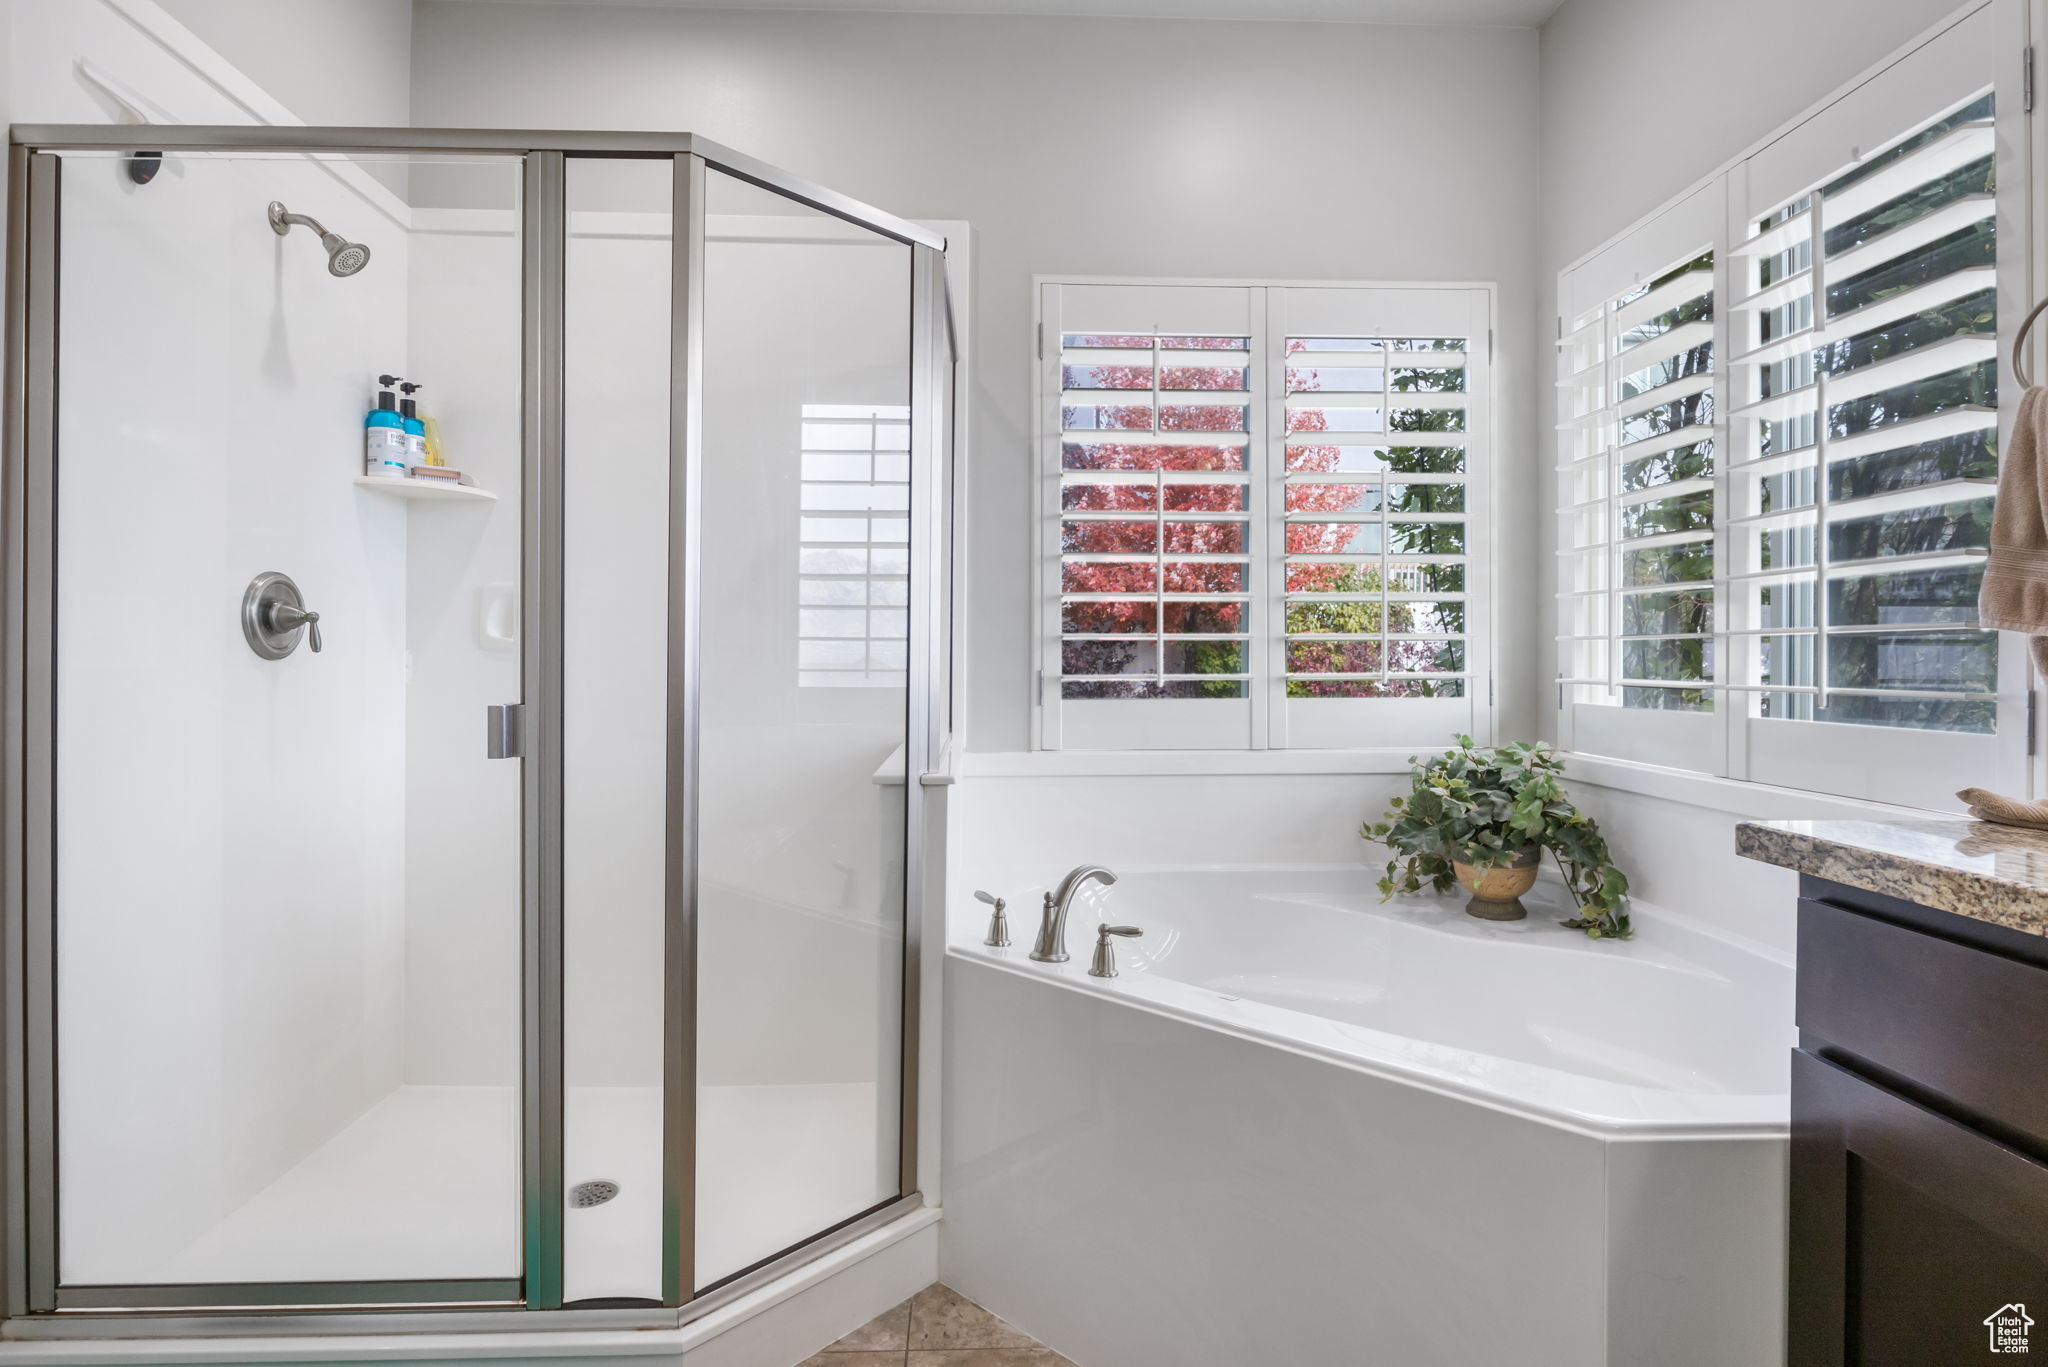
[[419, 488]]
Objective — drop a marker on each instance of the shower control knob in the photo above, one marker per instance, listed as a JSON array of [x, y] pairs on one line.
[[275, 617], [284, 617]]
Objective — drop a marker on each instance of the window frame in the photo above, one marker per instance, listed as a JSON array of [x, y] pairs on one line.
[[1264, 719], [1960, 60]]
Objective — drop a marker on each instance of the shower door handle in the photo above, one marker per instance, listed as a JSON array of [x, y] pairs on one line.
[[505, 735]]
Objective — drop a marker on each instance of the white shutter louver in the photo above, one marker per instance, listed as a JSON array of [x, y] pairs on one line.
[[1376, 536], [1637, 496], [1867, 448], [1156, 504], [853, 570]]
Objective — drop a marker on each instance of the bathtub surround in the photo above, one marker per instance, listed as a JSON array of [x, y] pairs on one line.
[[1381, 1107], [1986, 872]]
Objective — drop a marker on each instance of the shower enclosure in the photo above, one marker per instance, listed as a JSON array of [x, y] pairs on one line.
[[489, 889]]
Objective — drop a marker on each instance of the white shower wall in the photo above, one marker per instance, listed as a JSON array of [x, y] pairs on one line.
[[230, 829], [462, 966]]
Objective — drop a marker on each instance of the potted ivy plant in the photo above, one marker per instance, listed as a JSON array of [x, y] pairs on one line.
[[1481, 816]]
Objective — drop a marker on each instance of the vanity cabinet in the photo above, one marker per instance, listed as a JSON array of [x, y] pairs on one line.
[[1919, 1158]]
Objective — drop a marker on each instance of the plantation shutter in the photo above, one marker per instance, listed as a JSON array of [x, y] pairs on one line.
[[1868, 459], [1254, 537], [1638, 439], [1383, 434], [1778, 446], [1151, 401]]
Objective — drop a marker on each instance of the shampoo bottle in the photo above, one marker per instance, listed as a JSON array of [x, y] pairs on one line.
[[384, 434], [436, 454], [415, 430]]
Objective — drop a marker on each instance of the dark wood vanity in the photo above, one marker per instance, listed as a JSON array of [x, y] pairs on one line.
[[1919, 1159]]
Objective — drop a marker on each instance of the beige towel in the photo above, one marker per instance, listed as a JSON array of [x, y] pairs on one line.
[[2015, 592], [1986, 805]]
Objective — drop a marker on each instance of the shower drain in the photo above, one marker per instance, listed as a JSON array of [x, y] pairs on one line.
[[585, 1194]]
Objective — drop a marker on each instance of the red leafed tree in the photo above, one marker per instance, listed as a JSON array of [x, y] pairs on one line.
[[1141, 534], [1308, 658], [1138, 617]]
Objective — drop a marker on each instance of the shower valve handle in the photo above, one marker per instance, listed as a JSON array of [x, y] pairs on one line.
[[285, 617]]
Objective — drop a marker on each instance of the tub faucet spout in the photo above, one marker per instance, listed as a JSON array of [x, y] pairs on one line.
[[1052, 922]]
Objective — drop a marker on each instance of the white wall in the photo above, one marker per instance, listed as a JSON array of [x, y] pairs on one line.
[[1641, 99], [341, 62], [1330, 151]]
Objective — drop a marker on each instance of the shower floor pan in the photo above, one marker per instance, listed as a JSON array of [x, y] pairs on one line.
[[424, 1184]]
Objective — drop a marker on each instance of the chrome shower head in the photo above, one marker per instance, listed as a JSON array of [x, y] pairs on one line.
[[343, 257]]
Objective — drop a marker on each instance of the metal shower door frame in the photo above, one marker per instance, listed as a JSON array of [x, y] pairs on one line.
[[32, 1301]]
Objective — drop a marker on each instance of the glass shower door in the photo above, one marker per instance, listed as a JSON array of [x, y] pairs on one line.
[[286, 899], [334, 996], [804, 704]]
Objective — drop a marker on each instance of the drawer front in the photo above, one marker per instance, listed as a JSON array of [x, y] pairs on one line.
[[1963, 1023]]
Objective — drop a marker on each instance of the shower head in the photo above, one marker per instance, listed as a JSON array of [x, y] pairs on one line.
[[343, 257]]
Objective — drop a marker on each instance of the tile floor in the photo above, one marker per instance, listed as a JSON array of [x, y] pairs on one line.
[[938, 1327]]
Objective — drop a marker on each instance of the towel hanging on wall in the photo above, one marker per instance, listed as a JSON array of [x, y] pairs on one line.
[[2015, 592], [2014, 596]]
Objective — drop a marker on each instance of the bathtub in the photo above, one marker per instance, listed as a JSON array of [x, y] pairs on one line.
[[1305, 1126], [1674, 1033]]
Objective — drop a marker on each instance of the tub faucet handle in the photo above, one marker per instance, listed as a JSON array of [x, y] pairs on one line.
[[1105, 953], [998, 924]]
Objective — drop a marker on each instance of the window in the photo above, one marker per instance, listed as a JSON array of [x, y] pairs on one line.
[[1778, 447], [1261, 512], [1375, 517], [1869, 454], [853, 570], [1637, 495], [1155, 506]]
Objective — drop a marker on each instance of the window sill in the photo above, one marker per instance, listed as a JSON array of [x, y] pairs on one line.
[[1170, 763], [1759, 801]]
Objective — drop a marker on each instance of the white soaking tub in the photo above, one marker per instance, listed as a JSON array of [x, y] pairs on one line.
[[1305, 1126]]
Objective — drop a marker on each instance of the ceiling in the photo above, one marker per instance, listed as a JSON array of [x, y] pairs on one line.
[[1522, 13]]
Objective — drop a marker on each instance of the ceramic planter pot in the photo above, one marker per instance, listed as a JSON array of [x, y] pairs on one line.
[[1497, 892]]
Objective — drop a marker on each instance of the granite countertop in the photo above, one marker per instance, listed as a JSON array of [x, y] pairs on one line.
[[1996, 874]]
